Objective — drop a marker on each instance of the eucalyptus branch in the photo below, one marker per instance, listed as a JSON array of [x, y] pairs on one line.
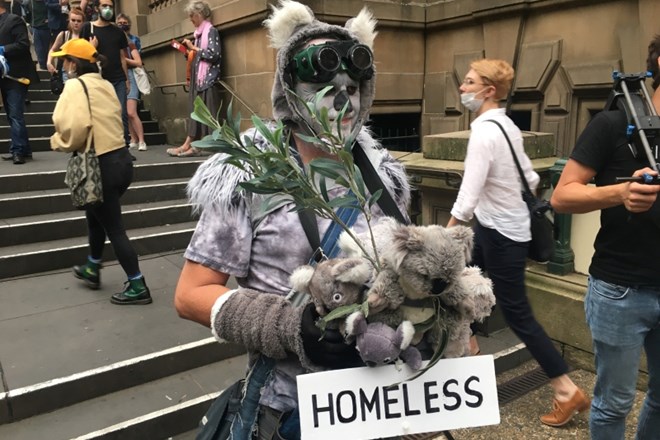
[[276, 170]]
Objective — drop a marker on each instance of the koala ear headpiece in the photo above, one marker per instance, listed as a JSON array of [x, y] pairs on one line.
[[290, 26]]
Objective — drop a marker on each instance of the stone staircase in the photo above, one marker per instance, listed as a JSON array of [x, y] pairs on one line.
[[38, 118], [71, 365]]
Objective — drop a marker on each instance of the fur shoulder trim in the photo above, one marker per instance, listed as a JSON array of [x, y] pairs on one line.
[[215, 182], [284, 21]]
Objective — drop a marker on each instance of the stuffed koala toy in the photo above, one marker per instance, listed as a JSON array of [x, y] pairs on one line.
[[333, 283], [380, 344], [423, 264]]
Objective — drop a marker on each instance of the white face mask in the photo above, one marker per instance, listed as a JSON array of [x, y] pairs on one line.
[[471, 102]]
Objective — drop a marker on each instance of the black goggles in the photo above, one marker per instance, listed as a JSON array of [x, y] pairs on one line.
[[320, 63]]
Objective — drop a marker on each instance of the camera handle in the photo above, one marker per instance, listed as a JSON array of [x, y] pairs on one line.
[[630, 95]]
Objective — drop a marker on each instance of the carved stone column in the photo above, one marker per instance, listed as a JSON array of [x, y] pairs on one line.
[[563, 260]]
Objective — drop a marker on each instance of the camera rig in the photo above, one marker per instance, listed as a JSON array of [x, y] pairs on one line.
[[630, 95]]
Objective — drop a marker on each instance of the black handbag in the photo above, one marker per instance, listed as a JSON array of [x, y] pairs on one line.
[[83, 172], [56, 83], [542, 245]]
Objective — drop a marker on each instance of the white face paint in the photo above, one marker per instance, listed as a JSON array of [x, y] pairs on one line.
[[344, 89]]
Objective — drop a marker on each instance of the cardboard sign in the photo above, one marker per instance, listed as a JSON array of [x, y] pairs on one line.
[[367, 403]]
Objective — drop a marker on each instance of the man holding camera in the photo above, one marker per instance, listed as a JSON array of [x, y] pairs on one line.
[[623, 298]]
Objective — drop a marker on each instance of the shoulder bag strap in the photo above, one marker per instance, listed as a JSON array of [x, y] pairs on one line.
[[90, 145], [374, 183], [515, 158], [348, 215]]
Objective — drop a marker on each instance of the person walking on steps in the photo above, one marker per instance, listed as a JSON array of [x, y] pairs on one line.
[[87, 90], [491, 191]]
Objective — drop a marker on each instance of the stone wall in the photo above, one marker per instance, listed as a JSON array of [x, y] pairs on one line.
[[566, 50]]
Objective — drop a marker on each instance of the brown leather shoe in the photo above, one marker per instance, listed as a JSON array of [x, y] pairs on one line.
[[563, 412]]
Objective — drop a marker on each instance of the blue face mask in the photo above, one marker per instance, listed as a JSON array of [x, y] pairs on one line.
[[125, 27]]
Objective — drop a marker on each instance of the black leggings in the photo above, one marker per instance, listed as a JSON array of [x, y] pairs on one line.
[[504, 261], [117, 175]]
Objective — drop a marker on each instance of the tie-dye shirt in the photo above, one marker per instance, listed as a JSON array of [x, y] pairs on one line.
[[262, 250]]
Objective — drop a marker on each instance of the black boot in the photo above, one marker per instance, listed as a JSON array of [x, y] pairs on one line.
[[90, 273], [135, 292]]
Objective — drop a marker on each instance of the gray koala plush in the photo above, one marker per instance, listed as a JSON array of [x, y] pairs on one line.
[[380, 344], [420, 263], [333, 283]]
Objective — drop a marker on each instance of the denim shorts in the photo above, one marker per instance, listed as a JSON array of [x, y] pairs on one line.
[[134, 93]]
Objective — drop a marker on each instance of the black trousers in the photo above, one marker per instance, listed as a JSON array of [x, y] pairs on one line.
[[504, 261], [105, 219]]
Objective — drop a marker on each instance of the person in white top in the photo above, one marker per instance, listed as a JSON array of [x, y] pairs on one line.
[[491, 192]]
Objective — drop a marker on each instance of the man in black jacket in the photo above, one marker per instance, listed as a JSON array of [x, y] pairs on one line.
[[15, 48]]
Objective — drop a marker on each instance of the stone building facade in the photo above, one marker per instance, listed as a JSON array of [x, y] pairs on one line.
[[564, 52]]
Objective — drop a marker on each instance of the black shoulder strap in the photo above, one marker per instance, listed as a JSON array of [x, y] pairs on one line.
[[515, 158], [374, 183], [89, 106]]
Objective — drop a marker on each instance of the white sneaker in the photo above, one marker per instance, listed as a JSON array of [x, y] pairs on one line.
[[142, 146], [132, 146]]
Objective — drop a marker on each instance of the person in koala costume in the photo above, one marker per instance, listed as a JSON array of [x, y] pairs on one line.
[[235, 237]]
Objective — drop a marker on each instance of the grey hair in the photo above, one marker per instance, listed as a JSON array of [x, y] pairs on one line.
[[198, 7], [125, 17]]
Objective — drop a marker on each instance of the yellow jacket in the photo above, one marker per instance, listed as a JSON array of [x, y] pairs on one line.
[[72, 118]]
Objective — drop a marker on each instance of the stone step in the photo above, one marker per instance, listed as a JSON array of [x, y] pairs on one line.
[[172, 407], [42, 143], [50, 201], [36, 130], [95, 399], [46, 227], [47, 171], [31, 258]]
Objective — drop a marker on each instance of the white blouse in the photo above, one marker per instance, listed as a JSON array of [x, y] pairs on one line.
[[491, 187]]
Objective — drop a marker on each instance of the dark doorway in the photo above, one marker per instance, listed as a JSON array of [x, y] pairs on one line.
[[399, 132]]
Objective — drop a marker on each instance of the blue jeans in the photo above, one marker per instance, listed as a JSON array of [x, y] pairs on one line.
[[623, 320], [41, 45], [120, 90], [13, 99]]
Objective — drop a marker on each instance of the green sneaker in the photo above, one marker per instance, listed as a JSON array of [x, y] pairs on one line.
[[135, 292], [90, 273]]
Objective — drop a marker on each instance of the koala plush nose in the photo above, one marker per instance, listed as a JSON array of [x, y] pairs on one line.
[[439, 286]]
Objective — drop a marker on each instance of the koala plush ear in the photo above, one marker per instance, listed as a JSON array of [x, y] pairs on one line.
[[404, 240], [356, 324], [352, 270], [404, 335], [301, 277], [348, 245], [465, 236]]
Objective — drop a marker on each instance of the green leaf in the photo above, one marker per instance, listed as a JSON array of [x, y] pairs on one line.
[[202, 114], [314, 140], [341, 312], [374, 198], [263, 129]]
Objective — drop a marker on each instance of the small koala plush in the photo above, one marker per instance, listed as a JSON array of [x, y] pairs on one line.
[[380, 344], [333, 283]]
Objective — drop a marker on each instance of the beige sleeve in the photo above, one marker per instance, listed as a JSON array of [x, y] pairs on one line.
[[71, 119]]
